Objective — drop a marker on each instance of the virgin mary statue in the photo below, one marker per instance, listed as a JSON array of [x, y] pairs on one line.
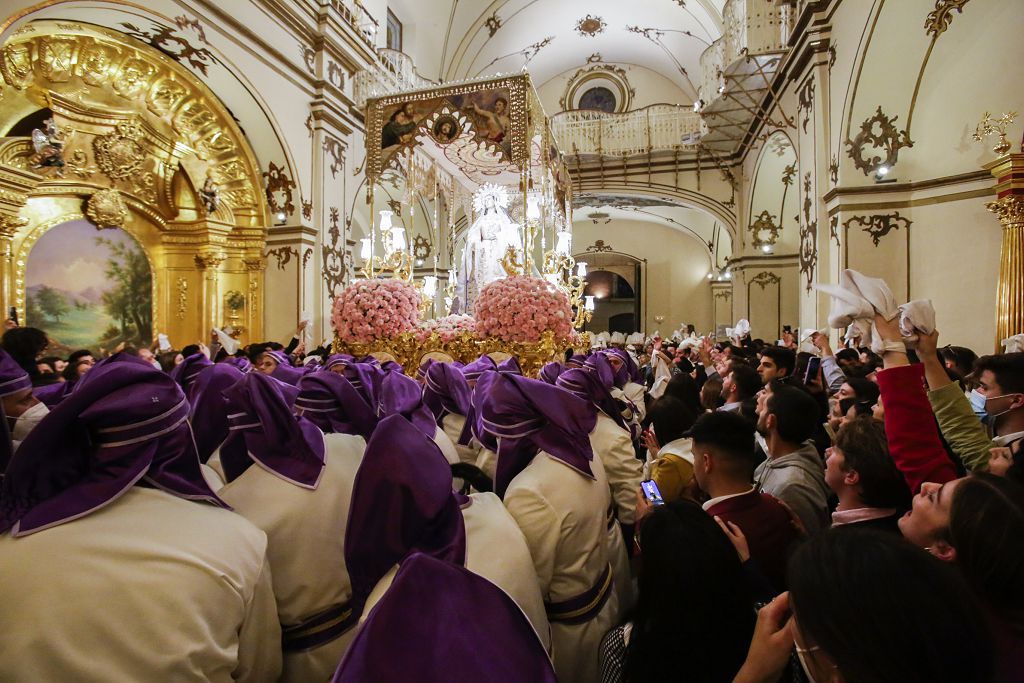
[[488, 238]]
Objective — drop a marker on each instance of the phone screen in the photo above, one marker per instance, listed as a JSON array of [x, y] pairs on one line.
[[651, 492], [812, 369]]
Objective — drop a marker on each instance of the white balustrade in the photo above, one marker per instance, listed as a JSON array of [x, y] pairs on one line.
[[659, 127]]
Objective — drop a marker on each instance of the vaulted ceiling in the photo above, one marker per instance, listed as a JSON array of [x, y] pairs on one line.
[[549, 37]]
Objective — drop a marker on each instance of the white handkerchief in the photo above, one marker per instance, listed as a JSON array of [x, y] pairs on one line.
[[1014, 344], [917, 317], [229, 345], [164, 342], [742, 328]]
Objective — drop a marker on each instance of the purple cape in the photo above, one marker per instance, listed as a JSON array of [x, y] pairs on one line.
[[13, 379], [336, 359], [421, 371], [264, 430], [448, 624], [209, 411], [474, 428], [366, 378], [527, 416], [329, 401], [240, 363], [510, 364], [402, 395], [185, 372], [127, 424], [595, 387], [402, 501], [285, 371], [629, 372], [445, 392], [576, 361], [473, 370]]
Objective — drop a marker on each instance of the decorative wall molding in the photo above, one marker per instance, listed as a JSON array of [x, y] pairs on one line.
[[599, 246], [833, 229], [879, 225], [178, 48], [764, 222], [590, 26], [335, 150], [182, 284], [889, 138], [805, 102], [493, 23], [333, 255], [283, 255], [764, 278], [307, 208], [808, 254], [278, 183]]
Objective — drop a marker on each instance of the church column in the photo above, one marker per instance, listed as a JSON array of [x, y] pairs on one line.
[[209, 262], [1009, 207], [15, 185]]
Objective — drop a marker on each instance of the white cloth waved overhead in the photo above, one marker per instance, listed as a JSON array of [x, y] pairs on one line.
[[857, 298], [741, 328], [917, 317], [1014, 344]]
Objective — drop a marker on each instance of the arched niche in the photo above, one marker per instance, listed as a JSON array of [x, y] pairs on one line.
[[618, 283], [773, 216], [140, 135]]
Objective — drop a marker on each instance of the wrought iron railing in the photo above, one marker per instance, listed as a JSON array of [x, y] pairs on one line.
[[659, 127]]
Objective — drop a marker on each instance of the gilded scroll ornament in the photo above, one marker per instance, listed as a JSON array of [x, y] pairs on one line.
[[765, 278], [278, 183], [182, 298], [764, 223], [1009, 210], [599, 246], [833, 229], [334, 150], [119, 154], [283, 255], [493, 23], [107, 209], [833, 170], [805, 102], [877, 132], [724, 294], [10, 225], [332, 256], [590, 26], [939, 19], [808, 255], [178, 48], [307, 208], [879, 225]]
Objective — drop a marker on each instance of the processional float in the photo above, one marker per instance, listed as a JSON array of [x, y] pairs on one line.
[[483, 152]]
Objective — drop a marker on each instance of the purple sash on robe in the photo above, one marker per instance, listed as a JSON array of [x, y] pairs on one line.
[[52, 394], [421, 371], [474, 428], [510, 364], [366, 378], [576, 361], [336, 359], [527, 416], [185, 372], [264, 430], [402, 395], [329, 401], [209, 408], [392, 366], [240, 363], [473, 370], [127, 424], [440, 623], [445, 391], [402, 502]]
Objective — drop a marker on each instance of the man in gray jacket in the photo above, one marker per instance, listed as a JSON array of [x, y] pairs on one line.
[[793, 472]]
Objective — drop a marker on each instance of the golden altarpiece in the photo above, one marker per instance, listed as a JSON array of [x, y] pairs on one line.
[[144, 146]]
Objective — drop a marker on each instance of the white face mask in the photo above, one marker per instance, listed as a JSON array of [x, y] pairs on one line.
[[156, 364], [27, 421]]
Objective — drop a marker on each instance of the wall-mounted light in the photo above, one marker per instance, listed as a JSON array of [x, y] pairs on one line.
[[766, 248], [581, 269], [281, 217], [588, 303], [883, 174], [564, 244]]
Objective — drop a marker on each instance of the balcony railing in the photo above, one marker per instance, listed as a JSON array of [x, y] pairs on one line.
[[752, 28], [356, 16], [659, 127], [393, 73]]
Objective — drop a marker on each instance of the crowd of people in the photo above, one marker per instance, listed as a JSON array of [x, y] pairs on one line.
[[691, 510]]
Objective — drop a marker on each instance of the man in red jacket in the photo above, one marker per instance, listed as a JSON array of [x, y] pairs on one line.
[[723, 465]]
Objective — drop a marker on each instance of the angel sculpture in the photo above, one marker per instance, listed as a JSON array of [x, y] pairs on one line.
[[210, 194], [49, 146]]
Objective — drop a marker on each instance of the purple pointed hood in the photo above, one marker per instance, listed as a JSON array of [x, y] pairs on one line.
[[185, 372], [576, 361], [285, 371], [445, 391], [402, 502], [629, 372], [13, 379], [264, 431], [527, 416], [240, 363], [336, 359], [473, 370], [366, 378], [550, 372], [126, 425], [474, 428], [52, 394], [510, 364], [402, 395], [506, 650], [587, 385], [209, 408], [328, 400]]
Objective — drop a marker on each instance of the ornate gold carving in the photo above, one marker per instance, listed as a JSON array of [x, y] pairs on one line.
[[335, 74], [599, 246], [765, 222], [283, 255], [334, 149], [120, 154], [278, 182], [308, 58], [805, 102], [182, 298], [78, 163], [879, 225], [723, 294], [765, 278], [939, 19], [176, 47], [590, 26], [106, 209], [307, 208], [833, 229], [990, 126], [608, 73], [210, 260], [10, 225], [889, 138], [1009, 210], [307, 254], [421, 248], [332, 255], [833, 170], [808, 255], [493, 23]]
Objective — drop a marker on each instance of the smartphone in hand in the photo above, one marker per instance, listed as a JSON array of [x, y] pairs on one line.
[[651, 492]]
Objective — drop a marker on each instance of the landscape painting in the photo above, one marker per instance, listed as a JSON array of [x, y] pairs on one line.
[[89, 289]]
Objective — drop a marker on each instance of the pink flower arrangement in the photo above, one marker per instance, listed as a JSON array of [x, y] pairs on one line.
[[522, 309], [370, 310], [446, 328]]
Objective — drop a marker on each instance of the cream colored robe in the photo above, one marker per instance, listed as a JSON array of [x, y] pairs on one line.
[[563, 516], [306, 544], [151, 587], [452, 427], [495, 550], [611, 443]]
